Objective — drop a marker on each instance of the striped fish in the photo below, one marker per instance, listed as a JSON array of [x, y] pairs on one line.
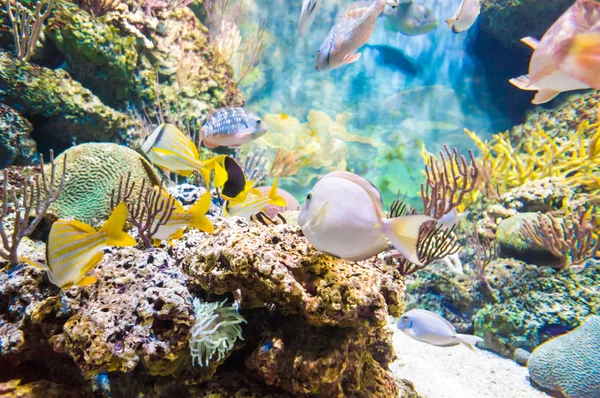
[[232, 127], [74, 248], [181, 219], [170, 149], [310, 8], [350, 33], [253, 203]]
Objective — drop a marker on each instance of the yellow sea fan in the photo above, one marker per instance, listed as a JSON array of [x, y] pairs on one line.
[[226, 42], [575, 158]]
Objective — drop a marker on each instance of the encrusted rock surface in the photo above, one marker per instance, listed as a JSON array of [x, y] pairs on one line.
[[16, 145], [329, 362], [535, 304], [276, 265]]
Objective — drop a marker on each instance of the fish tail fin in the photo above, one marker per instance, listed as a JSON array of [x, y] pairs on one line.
[[403, 232], [583, 59], [274, 198], [468, 340], [115, 236], [198, 212], [451, 21]]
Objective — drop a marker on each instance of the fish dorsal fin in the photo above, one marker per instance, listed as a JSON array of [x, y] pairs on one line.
[[81, 226], [168, 197], [371, 189], [441, 318], [531, 42], [358, 8]]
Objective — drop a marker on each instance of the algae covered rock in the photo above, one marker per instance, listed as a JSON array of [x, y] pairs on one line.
[[570, 364], [325, 361], [97, 54], [93, 172], [276, 265], [535, 304], [16, 144], [64, 109]]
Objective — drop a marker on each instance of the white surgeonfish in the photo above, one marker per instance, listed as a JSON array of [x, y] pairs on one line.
[[465, 17], [428, 327], [343, 217], [310, 8]]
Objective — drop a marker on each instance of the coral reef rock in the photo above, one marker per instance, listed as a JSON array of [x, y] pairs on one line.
[[569, 363], [535, 303], [510, 20], [276, 265], [93, 172], [16, 145], [325, 361], [64, 110]]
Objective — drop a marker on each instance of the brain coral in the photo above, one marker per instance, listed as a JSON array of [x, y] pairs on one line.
[[93, 171], [570, 364]]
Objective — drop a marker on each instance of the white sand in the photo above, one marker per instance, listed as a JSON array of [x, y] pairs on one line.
[[457, 372]]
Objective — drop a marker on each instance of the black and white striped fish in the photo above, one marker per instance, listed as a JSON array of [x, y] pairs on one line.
[[232, 127]]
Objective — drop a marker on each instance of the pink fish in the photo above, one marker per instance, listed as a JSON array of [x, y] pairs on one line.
[[350, 33], [568, 55]]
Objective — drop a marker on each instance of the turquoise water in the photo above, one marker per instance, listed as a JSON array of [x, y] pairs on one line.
[[403, 91]]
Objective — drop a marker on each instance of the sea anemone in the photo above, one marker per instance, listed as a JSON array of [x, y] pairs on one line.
[[215, 331]]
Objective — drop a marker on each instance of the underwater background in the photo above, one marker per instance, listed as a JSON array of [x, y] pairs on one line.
[[128, 268]]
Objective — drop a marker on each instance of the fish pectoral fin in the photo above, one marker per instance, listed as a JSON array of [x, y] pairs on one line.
[[532, 42], [544, 96], [210, 145], [351, 58], [86, 281], [318, 220], [468, 340], [523, 83], [34, 264], [92, 263]]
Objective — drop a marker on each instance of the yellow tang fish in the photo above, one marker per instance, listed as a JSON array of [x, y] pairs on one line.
[[172, 150], [254, 203], [74, 248], [181, 218]]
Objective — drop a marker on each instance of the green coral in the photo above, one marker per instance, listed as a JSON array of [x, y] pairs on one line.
[[93, 172], [534, 299], [70, 111], [97, 54], [570, 364]]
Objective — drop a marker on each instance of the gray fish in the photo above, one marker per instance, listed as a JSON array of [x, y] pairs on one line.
[[430, 328], [411, 19], [232, 127]]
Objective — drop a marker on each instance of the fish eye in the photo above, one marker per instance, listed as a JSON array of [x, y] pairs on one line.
[[319, 51], [258, 121], [309, 196], [405, 318]]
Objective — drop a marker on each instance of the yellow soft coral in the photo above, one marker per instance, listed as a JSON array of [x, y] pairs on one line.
[[576, 159]]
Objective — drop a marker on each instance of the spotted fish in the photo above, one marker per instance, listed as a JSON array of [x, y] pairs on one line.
[[232, 127]]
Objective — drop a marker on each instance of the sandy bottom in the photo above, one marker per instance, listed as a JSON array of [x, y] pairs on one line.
[[457, 372]]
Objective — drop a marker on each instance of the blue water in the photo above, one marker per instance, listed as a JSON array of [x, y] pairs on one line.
[[403, 90]]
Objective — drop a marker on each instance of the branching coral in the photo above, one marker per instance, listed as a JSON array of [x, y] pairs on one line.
[[26, 28], [252, 50], [485, 251], [215, 331], [285, 164], [148, 211], [165, 4], [435, 242], [36, 197], [448, 180], [573, 239], [98, 7], [575, 157], [253, 165]]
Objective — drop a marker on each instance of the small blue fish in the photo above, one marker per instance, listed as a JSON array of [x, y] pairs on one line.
[[232, 127]]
